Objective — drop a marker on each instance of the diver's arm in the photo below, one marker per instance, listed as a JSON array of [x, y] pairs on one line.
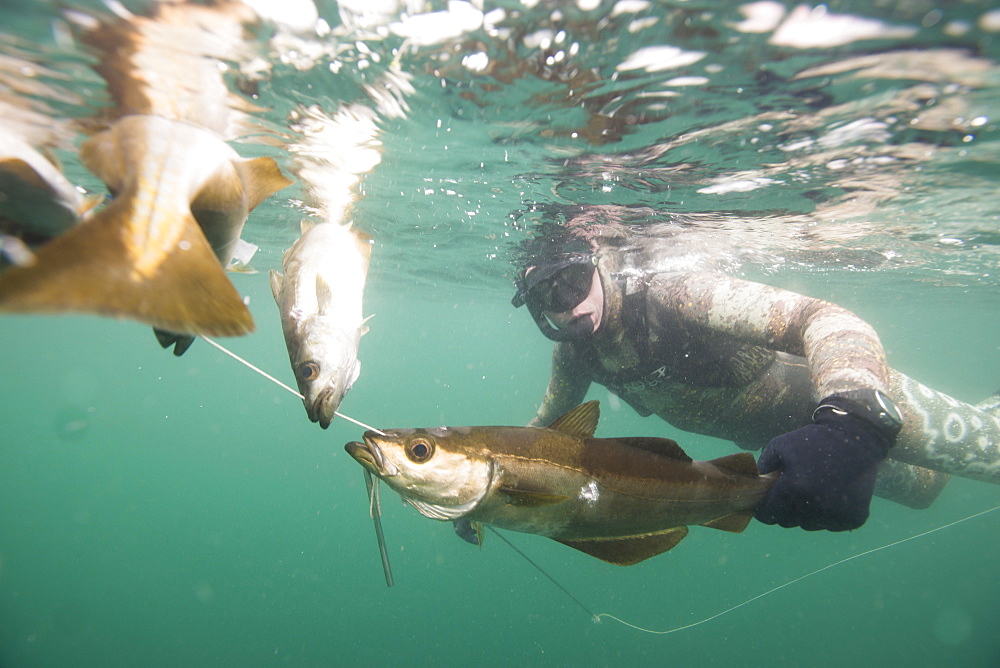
[[567, 387], [842, 350], [828, 467]]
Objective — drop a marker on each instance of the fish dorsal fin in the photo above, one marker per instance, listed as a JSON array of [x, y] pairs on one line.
[[261, 178], [734, 523], [658, 446], [631, 549], [581, 421], [741, 463]]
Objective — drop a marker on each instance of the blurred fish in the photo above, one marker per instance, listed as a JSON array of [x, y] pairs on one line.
[[174, 61], [35, 198], [222, 215], [168, 67], [319, 297], [621, 500], [145, 255], [37, 202]]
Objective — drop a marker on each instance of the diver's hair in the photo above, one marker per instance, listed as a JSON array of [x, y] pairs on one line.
[[576, 229], [646, 241]]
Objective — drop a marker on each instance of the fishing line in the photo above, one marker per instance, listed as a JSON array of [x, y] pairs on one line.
[[541, 570], [374, 507], [278, 382], [599, 616]]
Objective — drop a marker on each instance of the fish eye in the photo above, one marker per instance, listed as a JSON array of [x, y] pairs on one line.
[[419, 450], [308, 371]]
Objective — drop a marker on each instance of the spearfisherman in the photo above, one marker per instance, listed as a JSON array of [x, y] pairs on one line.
[[802, 378]]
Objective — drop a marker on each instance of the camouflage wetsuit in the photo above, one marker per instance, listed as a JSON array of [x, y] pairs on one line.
[[746, 362]]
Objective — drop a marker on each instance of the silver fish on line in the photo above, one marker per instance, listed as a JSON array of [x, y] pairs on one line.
[[319, 297]]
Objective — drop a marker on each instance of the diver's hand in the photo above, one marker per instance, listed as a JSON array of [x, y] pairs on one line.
[[827, 472]]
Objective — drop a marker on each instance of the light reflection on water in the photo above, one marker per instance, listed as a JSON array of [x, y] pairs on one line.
[[793, 131]]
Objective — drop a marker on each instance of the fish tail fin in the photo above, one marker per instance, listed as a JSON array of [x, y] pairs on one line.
[[96, 267]]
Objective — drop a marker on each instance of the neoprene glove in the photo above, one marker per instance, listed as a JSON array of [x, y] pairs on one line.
[[827, 470]]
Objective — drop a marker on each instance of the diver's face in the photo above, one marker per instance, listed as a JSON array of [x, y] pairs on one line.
[[587, 314]]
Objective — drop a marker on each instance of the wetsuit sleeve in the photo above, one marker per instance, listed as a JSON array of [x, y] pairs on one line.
[[567, 387], [843, 351]]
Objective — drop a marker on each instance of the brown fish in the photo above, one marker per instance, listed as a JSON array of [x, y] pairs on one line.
[[621, 500], [144, 255]]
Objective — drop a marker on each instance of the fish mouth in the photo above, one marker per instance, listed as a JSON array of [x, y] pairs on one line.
[[324, 407], [369, 455]]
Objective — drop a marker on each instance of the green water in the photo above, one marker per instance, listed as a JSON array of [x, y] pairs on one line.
[[157, 511]]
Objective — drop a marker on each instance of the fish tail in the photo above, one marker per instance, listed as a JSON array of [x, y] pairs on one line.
[[96, 268]]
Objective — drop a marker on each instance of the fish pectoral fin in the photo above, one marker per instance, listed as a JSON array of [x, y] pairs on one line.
[[480, 532], [530, 499], [741, 463], [276, 280], [305, 225], [364, 325], [734, 523], [581, 421], [94, 268], [364, 244], [324, 295], [630, 550], [262, 178], [243, 252]]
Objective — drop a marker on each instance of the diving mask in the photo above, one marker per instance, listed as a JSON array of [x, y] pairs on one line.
[[557, 286]]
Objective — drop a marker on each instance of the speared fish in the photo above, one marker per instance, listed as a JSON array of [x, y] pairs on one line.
[[319, 297], [320, 291], [621, 500]]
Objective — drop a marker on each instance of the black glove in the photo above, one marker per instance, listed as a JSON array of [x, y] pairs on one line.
[[827, 468]]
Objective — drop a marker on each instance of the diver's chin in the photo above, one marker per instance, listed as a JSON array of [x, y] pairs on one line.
[[577, 329]]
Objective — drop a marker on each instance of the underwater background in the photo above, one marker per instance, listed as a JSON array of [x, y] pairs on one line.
[[163, 511]]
